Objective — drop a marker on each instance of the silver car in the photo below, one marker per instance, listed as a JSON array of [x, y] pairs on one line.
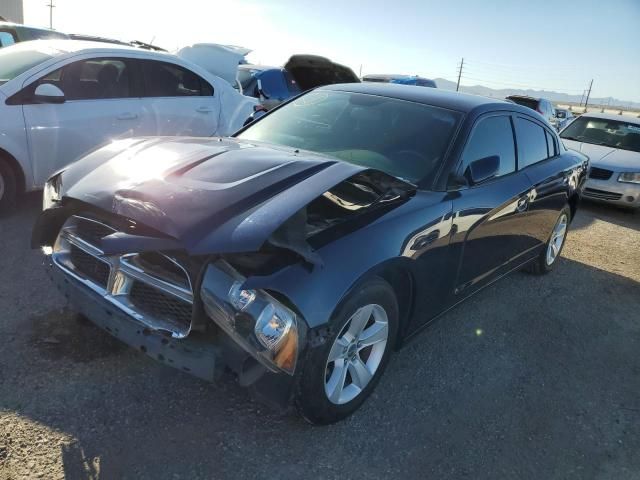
[[612, 142]]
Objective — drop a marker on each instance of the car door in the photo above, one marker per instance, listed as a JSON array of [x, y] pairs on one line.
[[538, 157], [100, 105], [179, 101], [489, 218]]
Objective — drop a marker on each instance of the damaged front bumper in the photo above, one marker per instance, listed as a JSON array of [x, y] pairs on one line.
[[200, 323], [202, 355]]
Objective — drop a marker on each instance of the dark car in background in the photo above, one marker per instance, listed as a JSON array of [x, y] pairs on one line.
[[274, 85], [541, 105], [302, 252], [400, 79]]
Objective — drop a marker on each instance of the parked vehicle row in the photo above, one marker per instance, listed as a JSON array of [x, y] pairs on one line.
[[301, 252], [60, 99], [12, 33]]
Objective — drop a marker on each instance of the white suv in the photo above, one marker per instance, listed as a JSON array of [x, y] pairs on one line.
[[60, 99]]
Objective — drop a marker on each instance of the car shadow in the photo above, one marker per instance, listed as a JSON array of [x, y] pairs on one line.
[[534, 377]]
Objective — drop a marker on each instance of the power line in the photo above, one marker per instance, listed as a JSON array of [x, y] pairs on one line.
[[51, 7], [460, 74]]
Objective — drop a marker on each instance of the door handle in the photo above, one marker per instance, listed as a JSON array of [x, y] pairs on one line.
[[127, 116], [203, 110]]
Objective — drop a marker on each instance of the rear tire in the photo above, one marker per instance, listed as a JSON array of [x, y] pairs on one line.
[[339, 375], [548, 257], [7, 187]]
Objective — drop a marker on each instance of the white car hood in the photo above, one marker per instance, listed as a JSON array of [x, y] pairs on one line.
[[220, 60], [607, 157]]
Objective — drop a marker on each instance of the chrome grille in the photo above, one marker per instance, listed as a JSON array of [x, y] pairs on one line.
[[158, 304], [153, 288], [91, 267]]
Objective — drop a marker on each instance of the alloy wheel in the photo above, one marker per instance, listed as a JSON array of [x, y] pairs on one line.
[[356, 354], [557, 239]]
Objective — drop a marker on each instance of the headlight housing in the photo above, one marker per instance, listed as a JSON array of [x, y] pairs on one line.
[[51, 192], [629, 177], [261, 324]]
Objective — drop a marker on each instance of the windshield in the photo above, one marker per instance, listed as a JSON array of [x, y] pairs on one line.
[[16, 60], [404, 139], [599, 131]]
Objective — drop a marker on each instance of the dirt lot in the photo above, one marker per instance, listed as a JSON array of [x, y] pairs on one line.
[[533, 378]]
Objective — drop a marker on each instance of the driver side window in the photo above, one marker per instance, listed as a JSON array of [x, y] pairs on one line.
[[492, 136]]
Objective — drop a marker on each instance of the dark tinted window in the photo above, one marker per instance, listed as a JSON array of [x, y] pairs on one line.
[[404, 139], [492, 136], [552, 149], [97, 78], [532, 142], [168, 80]]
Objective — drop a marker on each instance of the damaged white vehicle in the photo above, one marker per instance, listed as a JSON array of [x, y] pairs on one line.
[[60, 99]]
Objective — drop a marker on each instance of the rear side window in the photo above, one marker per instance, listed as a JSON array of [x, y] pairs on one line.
[[492, 136], [162, 79], [532, 142]]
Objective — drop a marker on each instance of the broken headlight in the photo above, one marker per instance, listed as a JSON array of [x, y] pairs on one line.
[[258, 322], [51, 192]]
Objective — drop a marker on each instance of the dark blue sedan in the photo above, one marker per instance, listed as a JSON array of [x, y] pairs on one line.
[[302, 252]]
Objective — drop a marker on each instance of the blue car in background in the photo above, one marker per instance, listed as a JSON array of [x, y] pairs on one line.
[[274, 85], [401, 79]]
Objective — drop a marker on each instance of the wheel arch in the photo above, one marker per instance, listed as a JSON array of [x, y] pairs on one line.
[[397, 273], [573, 201], [11, 161]]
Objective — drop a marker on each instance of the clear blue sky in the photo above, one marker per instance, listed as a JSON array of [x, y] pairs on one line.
[[556, 45]]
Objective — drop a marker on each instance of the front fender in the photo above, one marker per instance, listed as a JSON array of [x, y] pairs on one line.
[[317, 292]]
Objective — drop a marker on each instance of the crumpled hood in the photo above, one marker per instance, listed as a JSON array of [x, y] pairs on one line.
[[607, 157], [311, 71], [210, 194]]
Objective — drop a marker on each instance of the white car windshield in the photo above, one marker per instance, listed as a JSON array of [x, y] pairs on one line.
[[16, 60], [600, 131]]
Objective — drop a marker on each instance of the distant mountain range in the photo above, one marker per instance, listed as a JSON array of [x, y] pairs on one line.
[[553, 96]]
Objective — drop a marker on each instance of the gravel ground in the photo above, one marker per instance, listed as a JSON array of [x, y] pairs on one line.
[[536, 377]]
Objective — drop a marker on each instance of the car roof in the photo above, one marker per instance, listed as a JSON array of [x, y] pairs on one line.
[[462, 102], [65, 46], [613, 116]]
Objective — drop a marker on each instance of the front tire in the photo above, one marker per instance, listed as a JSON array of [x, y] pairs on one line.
[[7, 187], [339, 375], [548, 257]]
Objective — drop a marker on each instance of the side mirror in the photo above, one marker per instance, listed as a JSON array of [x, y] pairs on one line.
[[48, 93], [483, 169]]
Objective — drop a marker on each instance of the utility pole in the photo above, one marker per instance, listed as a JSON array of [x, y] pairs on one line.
[[51, 7], [460, 74], [586, 102], [360, 71]]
